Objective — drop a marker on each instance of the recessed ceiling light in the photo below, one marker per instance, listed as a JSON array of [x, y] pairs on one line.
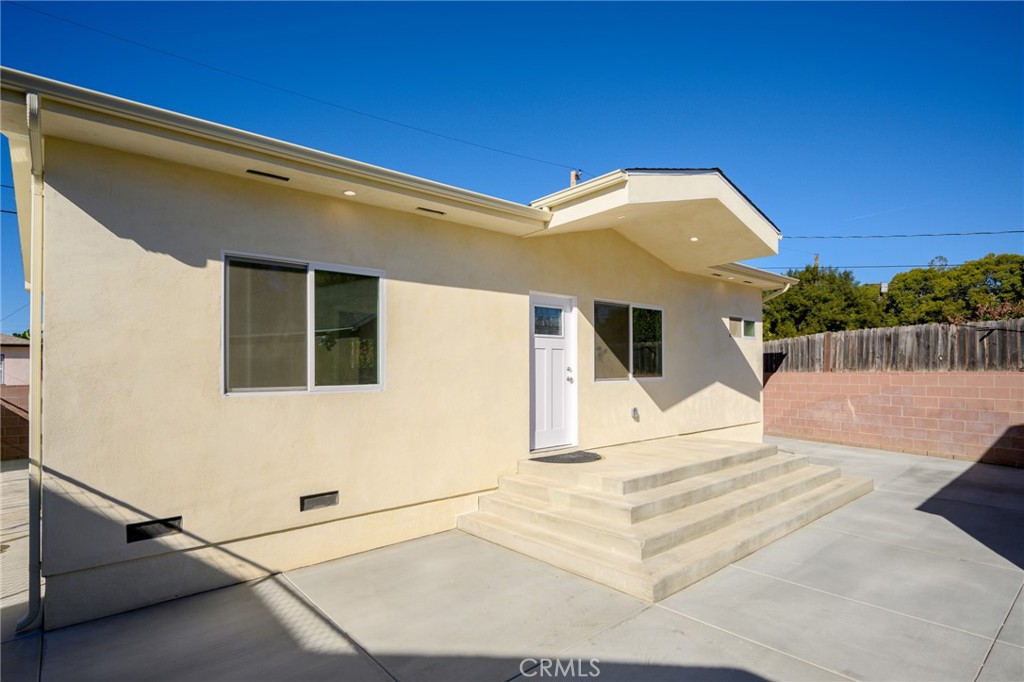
[[732, 278], [694, 239], [620, 217], [349, 193]]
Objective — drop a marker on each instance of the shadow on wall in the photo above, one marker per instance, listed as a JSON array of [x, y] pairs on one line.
[[772, 362], [469, 258], [968, 500], [266, 629]]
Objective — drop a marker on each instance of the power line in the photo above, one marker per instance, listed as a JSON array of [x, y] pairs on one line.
[[906, 236], [15, 312], [861, 267], [294, 93], [4, 210]]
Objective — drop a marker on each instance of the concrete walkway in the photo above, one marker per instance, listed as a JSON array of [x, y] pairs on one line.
[[919, 580]]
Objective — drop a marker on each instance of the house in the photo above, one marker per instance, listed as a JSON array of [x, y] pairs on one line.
[[13, 360], [259, 356]]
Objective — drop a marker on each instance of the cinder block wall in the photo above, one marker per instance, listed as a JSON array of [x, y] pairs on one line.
[[974, 416], [13, 422]]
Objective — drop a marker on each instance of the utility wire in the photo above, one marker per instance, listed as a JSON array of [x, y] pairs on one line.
[[4, 210], [294, 93], [859, 267], [906, 236], [14, 312]]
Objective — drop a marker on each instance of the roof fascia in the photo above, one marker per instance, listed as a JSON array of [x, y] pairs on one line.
[[118, 107]]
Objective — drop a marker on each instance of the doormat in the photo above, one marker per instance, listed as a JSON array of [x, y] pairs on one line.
[[579, 457]]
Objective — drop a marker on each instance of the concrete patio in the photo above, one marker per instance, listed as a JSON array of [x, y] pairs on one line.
[[919, 580]]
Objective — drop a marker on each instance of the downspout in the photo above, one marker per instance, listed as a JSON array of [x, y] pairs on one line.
[[776, 294], [35, 399]]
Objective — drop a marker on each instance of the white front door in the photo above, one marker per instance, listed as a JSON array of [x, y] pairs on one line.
[[552, 371]]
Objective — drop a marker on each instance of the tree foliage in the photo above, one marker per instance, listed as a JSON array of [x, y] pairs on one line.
[[970, 292], [826, 299]]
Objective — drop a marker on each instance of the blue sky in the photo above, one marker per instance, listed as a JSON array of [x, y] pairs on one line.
[[835, 118]]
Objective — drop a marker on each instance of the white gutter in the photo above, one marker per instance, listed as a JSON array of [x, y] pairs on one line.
[[776, 294], [35, 384]]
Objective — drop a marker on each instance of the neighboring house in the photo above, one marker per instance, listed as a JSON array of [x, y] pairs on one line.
[[290, 356], [13, 360]]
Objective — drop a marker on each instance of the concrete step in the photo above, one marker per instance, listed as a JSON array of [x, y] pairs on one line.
[[657, 577], [648, 465], [661, 533], [623, 510]]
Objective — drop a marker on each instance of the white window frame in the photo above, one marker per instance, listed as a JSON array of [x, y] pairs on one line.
[[629, 369], [743, 327], [311, 268]]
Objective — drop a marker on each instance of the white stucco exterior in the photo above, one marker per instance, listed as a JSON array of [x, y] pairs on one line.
[[138, 425]]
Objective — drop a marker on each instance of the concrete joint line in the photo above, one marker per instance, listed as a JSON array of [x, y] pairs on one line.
[[914, 549], [757, 643], [344, 633], [632, 615], [995, 639], [862, 603]]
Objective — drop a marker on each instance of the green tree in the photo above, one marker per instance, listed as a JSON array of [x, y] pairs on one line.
[[22, 335], [987, 288], [826, 299]]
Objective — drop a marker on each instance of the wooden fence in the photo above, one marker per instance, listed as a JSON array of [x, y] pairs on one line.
[[974, 347]]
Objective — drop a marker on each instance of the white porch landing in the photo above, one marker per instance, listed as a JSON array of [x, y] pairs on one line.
[[650, 518]]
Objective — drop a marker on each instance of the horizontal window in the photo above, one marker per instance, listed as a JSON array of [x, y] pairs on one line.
[[298, 327], [628, 341], [742, 329]]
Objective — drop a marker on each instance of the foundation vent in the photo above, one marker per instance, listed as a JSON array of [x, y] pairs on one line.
[[147, 530], [318, 501]]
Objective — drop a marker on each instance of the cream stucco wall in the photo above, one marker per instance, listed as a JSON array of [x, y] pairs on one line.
[[136, 425]]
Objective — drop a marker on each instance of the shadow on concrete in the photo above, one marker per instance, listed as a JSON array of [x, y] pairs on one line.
[[987, 500], [267, 629]]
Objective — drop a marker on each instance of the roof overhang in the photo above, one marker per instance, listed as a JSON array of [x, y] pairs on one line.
[[82, 115], [693, 219]]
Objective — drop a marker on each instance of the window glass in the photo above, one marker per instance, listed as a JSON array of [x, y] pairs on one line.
[[547, 321], [346, 336], [647, 346], [611, 341], [736, 326], [749, 329], [266, 326]]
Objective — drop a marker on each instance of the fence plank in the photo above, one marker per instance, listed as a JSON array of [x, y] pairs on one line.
[[974, 347]]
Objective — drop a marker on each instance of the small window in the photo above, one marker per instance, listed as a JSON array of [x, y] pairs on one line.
[[299, 327], [547, 321], [1, 368], [628, 341], [742, 329]]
